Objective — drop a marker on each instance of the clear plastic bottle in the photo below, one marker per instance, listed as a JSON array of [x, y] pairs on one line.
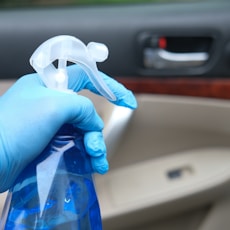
[[56, 191]]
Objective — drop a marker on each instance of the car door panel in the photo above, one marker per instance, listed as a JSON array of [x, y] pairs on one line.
[[120, 27], [181, 126]]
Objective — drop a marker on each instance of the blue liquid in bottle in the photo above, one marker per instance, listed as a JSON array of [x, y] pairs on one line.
[[56, 191]]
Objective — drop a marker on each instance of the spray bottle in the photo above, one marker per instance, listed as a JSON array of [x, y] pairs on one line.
[[56, 190]]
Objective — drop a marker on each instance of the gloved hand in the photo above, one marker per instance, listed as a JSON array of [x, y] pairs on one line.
[[31, 114]]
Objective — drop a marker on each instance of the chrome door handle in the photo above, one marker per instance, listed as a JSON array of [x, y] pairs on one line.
[[163, 59]]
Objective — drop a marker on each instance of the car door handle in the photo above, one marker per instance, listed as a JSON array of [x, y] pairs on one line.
[[162, 59]]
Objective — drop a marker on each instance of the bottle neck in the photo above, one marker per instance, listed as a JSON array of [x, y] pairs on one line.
[[70, 141], [69, 130]]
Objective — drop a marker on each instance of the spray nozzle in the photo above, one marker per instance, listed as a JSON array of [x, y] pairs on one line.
[[65, 48]]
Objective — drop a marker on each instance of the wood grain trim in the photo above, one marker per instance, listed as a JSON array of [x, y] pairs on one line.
[[197, 87]]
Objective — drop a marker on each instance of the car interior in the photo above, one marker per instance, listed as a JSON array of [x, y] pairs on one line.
[[170, 158]]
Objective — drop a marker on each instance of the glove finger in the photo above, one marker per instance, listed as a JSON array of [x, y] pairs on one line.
[[80, 111], [63, 107], [94, 143], [95, 147], [79, 80], [100, 164]]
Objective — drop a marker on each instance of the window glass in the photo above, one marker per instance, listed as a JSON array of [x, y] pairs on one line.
[[26, 3]]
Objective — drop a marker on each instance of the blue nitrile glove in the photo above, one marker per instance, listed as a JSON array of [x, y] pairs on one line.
[[31, 114]]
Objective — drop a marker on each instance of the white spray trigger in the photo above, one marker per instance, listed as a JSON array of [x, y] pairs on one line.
[[98, 51], [65, 48]]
